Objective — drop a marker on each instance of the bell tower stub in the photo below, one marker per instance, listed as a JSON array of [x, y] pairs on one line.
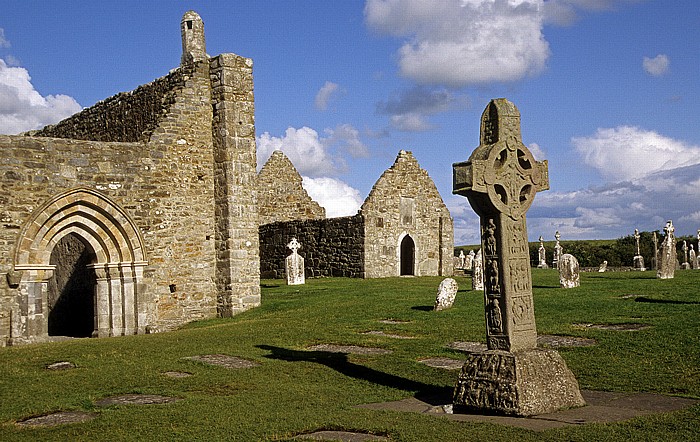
[[193, 43]]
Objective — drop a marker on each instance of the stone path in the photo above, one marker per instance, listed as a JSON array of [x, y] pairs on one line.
[[601, 407], [60, 418]]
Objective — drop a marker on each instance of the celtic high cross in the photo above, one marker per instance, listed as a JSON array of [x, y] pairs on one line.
[[500, 179]]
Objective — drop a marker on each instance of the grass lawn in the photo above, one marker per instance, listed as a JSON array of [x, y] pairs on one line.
[[295, 390]]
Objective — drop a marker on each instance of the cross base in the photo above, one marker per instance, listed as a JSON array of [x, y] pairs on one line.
[[524, 383]]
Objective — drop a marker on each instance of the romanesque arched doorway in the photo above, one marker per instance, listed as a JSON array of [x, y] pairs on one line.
[[108, 250], [71, 290], [408, 256]]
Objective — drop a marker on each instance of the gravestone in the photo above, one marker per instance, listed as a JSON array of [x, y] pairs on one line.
[[513, 376], [603, 267], [462, 259], [667, 256], [655, 258], [693, 258], [638, 261], [294, 264], [558, 250], [478, 272], [569, 272], [542, 254], [685, 265], [446, 294], [470, 260]]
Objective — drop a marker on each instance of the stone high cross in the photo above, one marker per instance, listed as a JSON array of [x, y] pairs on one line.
[[500, 179], [294, 246]]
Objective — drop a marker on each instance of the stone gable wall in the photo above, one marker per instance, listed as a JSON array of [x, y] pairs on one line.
[[405, 201], [281, 196], [330, 247], [127, 116]]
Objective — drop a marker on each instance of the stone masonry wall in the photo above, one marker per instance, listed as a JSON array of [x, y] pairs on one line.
[[127, 116], [404, 201], [281, 196], [330, 247]]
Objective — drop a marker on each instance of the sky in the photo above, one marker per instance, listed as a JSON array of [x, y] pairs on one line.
[[608, 91]]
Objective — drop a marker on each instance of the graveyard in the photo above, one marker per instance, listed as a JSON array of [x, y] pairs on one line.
[[619, 332]]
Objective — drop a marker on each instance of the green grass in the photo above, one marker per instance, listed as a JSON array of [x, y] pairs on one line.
[[296, 390]]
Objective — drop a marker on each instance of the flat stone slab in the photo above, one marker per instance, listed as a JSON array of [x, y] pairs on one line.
[[394, 321], [225, 361], [136, 399], [64, 365], [601, 407], [446, 363], [556, 341], [354, 349], [468, 347], [341, 436], [59, 418], [177, 374], [615, 327], [387, 335]]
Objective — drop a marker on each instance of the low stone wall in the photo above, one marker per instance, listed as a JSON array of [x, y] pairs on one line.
[[125, 117], [330, 247]]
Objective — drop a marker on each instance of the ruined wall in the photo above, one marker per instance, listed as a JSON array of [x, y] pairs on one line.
[[281, 196], [127, 116], [404, 201], [330, 247]]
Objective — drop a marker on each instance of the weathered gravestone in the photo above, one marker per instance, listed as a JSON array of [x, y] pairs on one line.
[[462, 259], [542, 255], [470, 260], [603, 267], [569, 272], [693, 258], [558, 250], [638, 261], [478, 272], [447, 291], [513, 376], [686, 264], [294, 264], [667, 256]]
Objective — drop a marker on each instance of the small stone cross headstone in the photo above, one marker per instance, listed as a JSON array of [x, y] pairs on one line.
[[542, 255], [667, 257], [693, 258], [478, 272], [568, 272], [294, 264], [447, 291], [638, 261], [685, 265], [462, 259], [558, 250], [500, 180]]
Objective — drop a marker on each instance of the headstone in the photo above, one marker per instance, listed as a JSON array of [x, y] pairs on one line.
[[542, 255], [558, 250], [638, 261], [667, 256], [462, 259], [603, 267], [655, 258], [470, 260], [568, 272], [446, 294], [477, 272], [294, 264], [513, 376], [686, 264], [693, 258]]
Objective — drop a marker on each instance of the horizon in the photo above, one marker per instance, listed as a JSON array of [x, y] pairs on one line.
[[607, 92]]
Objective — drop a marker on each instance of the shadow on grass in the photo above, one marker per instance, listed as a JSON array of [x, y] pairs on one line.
[[340, 363], [423, 308], [665, 301]]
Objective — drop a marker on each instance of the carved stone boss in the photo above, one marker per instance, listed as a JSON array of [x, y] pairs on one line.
[[500, 180]]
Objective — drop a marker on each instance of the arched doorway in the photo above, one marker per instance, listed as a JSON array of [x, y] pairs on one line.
[[408, 255], [71, 290]]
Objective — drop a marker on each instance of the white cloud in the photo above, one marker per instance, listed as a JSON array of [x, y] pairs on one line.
[[656, 66], [410, 122], [325, 94], [456, 43], [565, 12], [347, 138], [338, 198], [22, 108], [626, 152], [4, 43], [303, 148], [537, 151]]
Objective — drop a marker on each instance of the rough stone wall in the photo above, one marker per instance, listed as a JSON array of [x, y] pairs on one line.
[[330, 247], [281, 196], [404, 201]]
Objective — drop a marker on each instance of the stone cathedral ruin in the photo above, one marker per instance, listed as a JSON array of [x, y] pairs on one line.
[[145, 211], [138, 213]]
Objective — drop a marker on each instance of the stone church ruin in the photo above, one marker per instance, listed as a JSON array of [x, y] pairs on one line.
[[138, 213]]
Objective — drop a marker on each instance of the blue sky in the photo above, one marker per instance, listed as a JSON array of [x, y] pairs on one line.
[[608, 91]]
